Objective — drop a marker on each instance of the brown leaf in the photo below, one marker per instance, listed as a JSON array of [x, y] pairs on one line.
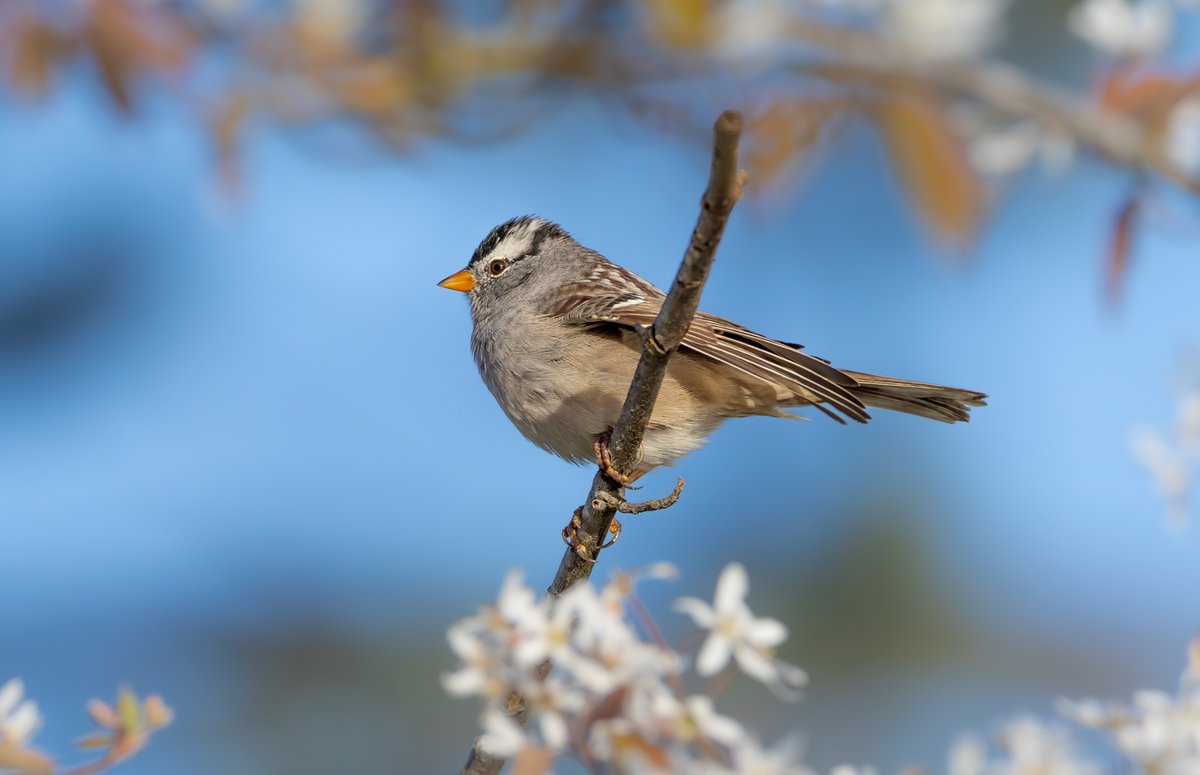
[[1119, 247], [932, 168], [226, 128], [1145, 95], [373, 87], [784, 135], [680, 23], [633, 744], [36, 47], [125, 40]]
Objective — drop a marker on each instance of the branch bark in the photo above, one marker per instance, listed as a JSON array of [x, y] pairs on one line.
[[659, 341]]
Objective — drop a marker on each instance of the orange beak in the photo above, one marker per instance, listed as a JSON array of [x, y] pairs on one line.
[[459, 281]]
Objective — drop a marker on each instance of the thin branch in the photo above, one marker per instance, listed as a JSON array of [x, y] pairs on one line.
[[724, 189], [725, 184]]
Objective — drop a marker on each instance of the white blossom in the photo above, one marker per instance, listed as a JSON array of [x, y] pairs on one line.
[[1029, 747], [735, 632], [783, 758], [1127, 29], [1157, 731], [19, 719], [1173, 460], [1181, 142], [501, 735], [945, 30]]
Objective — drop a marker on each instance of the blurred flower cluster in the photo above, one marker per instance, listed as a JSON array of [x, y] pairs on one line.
[[957, 120], [126, 727], [1173, 459], [589, 676], [1156, 733], [613, 694]]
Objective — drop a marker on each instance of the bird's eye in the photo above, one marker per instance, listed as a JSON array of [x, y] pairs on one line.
[[497, 266]]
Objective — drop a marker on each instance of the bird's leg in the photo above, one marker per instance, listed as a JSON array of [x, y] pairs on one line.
[[604, 461]]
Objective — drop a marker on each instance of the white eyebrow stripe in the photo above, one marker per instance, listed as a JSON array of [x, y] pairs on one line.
[[516, 243]]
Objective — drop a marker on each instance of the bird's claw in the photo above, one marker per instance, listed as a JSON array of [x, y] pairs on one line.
[[570, 536], [604, 461]]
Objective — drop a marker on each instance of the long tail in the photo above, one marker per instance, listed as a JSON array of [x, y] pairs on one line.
[[936, 402]]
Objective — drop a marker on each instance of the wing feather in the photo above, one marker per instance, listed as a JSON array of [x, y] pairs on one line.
[[637, 304]]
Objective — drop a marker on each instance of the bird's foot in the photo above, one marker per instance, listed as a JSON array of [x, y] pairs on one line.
[[604, 461], [570, 536]]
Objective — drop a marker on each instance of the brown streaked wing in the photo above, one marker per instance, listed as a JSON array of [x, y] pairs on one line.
[[726, 342]]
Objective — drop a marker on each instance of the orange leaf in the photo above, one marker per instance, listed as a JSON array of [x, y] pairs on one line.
[[125, 40], [226, 127], [36, 49], [785, 134], [680, 23], [1119, 248], [1148, 95], [932, 168]]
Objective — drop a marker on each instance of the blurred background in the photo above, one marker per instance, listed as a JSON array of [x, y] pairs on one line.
[[246, 459]]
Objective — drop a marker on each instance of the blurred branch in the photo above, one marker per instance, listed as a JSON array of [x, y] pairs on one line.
[[725, 185], [1116, 136]]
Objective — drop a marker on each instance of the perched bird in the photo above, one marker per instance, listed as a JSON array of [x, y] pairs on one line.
[[555, 340]]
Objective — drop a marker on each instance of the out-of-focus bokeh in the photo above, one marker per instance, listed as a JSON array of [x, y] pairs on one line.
[[246, 459]]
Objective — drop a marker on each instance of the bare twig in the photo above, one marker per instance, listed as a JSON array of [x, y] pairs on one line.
[[654, 504], [725, 184]]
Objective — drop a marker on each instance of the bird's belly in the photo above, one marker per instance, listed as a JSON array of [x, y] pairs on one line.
[[576, 393]]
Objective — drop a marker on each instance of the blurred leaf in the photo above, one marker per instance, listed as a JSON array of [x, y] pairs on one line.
[[374, 87], [932, 167], [24, 761], [680, 23], [94, 741], [1123, 224], [103, 714], [226, 131], [36, 47], [656, 756], [125, 40], [157, 713], [128, 710], [1148, 96], [784, 136]]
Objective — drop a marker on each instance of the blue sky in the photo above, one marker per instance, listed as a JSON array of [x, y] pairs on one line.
[[270, 394]]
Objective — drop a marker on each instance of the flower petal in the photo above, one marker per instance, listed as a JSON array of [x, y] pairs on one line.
[[501, 735], [10, 695], [714, 655], [755, 665], [23, 723], [766, 633], [732, 586], [701, 612], [554, 730], [464, 682]]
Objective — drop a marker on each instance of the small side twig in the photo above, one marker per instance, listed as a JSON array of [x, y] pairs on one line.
[[625, 507], [725, 183]]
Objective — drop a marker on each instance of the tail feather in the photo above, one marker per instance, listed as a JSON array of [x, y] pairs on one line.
[[937, 402]]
